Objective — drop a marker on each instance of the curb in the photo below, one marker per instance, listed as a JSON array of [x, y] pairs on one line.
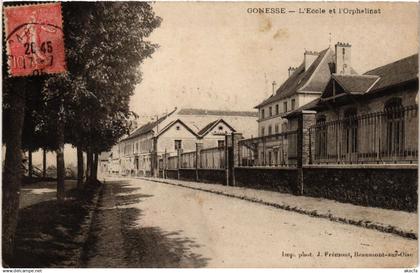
[[312, 213], [86, 226]]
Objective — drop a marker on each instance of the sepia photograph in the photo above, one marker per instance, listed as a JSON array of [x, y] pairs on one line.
[[209, 135]]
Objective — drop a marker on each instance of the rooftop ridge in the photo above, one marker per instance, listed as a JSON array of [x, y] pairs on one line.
[[391, 63]]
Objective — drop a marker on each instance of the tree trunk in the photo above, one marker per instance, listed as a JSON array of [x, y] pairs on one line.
[[79, 167], [88, 163], [12, 169], [44, 163], [30, 167], [61, 172], [95, 167]]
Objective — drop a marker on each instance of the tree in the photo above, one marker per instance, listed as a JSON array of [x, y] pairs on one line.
[[88, 105]]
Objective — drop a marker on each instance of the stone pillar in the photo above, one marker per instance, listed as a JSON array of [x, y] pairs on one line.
[[198, 147], [179, 156], [235, 155], [154, 159], [165, 165], [227, 147], [304, 144]]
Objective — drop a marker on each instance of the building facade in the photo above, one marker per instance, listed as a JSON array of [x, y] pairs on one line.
[[304, 85], [180, 130], [369, 118]]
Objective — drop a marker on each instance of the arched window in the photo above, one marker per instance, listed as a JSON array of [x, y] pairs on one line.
[[394, 135], [350, 132], [321, 137]]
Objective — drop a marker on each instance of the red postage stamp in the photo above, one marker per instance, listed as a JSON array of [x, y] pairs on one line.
[[34, 39]]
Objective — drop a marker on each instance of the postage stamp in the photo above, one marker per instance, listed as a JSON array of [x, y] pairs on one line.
[[34, 39]]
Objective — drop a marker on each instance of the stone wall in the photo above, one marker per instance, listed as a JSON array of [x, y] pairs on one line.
[[216, 176], [187, 174], [172, 174], [273, 179], [386, 187]]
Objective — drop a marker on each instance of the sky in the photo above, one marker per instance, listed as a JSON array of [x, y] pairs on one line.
[[219, 56], [216, 55]]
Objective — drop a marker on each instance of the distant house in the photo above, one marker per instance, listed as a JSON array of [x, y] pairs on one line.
[[305, 84], [367, 118], [138, 153]]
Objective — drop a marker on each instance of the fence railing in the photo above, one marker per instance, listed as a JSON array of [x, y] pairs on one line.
[[272, 150], [389, 136], [188, 160], [172, 162], [212, 158]]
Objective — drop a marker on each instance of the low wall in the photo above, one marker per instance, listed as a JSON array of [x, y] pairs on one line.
[[391, 187], [216, 176], [386, 187], [187, 174], [172, 174], [273, 179]]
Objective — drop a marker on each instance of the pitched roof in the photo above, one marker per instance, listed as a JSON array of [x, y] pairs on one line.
[[207, 127], [211, 125], [148, 127], [309, 106], [356, 84], [296, 81], [167, 127], [400, 71], [202, 112]]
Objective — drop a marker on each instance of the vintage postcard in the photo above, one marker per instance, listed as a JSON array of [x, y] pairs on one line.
[[210, 134]]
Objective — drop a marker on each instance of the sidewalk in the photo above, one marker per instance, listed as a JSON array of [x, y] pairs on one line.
[[391, 221], [51, 233]]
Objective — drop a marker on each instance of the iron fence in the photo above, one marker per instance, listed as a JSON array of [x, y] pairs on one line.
[[389, 136], [212, 158], [272, 150], [188, 160], [172, 162]]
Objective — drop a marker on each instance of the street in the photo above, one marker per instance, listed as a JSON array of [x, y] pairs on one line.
[[146, 224]]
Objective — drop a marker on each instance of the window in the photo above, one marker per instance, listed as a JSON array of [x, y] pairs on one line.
[[285, 106], [270, 111], [293, 104], [220, 128], [262, 113], [277, 109], [178, 128], [276, 129], [178, 144], [394, 135], [262, 131], [270, 131], [220, 143]]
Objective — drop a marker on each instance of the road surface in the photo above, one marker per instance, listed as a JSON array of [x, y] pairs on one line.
[[148, 224]]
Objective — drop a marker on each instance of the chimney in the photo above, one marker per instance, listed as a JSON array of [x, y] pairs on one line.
[[343, 58], [310, 57], [292, 70]]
